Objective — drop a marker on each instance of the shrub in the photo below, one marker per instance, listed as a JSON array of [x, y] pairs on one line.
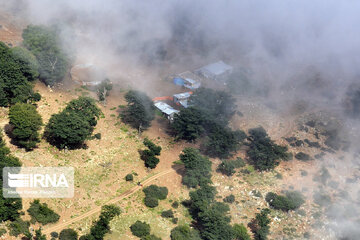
[[140, 229], [129, 177], [156, 150], [150, 237], [175, 204], [174, 220], [156, 192], [149, 154], [103, 89], [167, 214], [302, 156], [54, 234], [260, 225], [291, 201], [68, 234], [42, 213], [227, 168], [240, 232], [229, 199], [97, 136], [26, 122]]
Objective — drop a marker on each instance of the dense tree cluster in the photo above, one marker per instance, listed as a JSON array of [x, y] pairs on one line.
[[44, 43], [227, 167], [263, 152], [197, 168], [208, 116], [9, 207], [17, 70], [240, 232], [68, 234], [292, 200], [101, 226], [41, 213], [260, 225], [71, 127], [26, 123], [150, 155], [140, 110], [153, 194]]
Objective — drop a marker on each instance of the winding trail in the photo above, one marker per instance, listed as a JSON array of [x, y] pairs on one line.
[[60, 226]]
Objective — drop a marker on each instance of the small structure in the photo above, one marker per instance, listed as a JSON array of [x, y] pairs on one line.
[[167, 110], [215, 71], [190, 80], [182, 98]]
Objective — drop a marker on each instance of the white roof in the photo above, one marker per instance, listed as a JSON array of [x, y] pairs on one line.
[[182, 95], [217, 68], [165, 108]]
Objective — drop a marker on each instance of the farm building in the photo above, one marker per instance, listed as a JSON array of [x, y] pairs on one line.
[[166, 109], [87, 74], [187, 79], [215, 71], [182, 98]]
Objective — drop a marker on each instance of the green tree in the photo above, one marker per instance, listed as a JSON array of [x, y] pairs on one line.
[[18, 227], [140, 229], [263, 152], [140, 110], [260, 225], [14, 78], [291, 201], [197, 168], [188, 124], [26, 122], [27, 62], [222, 141], [149, 155], [240, 232], [68, 234], [44, 43], [184, 232], [42, 213], [71, 127], [150, 237], [219, 105]]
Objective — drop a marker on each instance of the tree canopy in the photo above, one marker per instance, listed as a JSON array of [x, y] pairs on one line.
[[197, 168], [44, 43], [184, 232], [291, 201], [188, 124], [71, 127], [26, 122], [140, 110], [16, 72], [263, 152]]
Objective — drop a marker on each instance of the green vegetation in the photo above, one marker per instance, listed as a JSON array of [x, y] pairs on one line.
[[140, 110], [227, 167], [18, 227], [291, 201], [101, 226], [260, 225], [44, 43], [71, 127], [263, 152], [140, 229], [240, 232], [229, 199], [188, 124], [153, 194], [42, 213], [197, 168], [129, 177], [15, 76], [9, 207], [302, 156], [68, 234], [167, 214], [26, 123], [184, 232], [149, 155]]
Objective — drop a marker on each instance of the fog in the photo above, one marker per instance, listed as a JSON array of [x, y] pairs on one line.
[[302, 50]]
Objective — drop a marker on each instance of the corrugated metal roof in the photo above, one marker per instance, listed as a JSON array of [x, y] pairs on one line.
[[165, 108], [182, 95], [217, 68]]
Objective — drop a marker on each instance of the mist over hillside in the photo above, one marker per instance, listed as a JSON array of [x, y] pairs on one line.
[[299, 51]]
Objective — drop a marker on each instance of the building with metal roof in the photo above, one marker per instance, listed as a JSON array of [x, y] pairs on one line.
[[166, 109], [182, 98], [216, 71]]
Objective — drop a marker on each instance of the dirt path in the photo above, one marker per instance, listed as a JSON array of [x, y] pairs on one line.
[[60, 226]]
